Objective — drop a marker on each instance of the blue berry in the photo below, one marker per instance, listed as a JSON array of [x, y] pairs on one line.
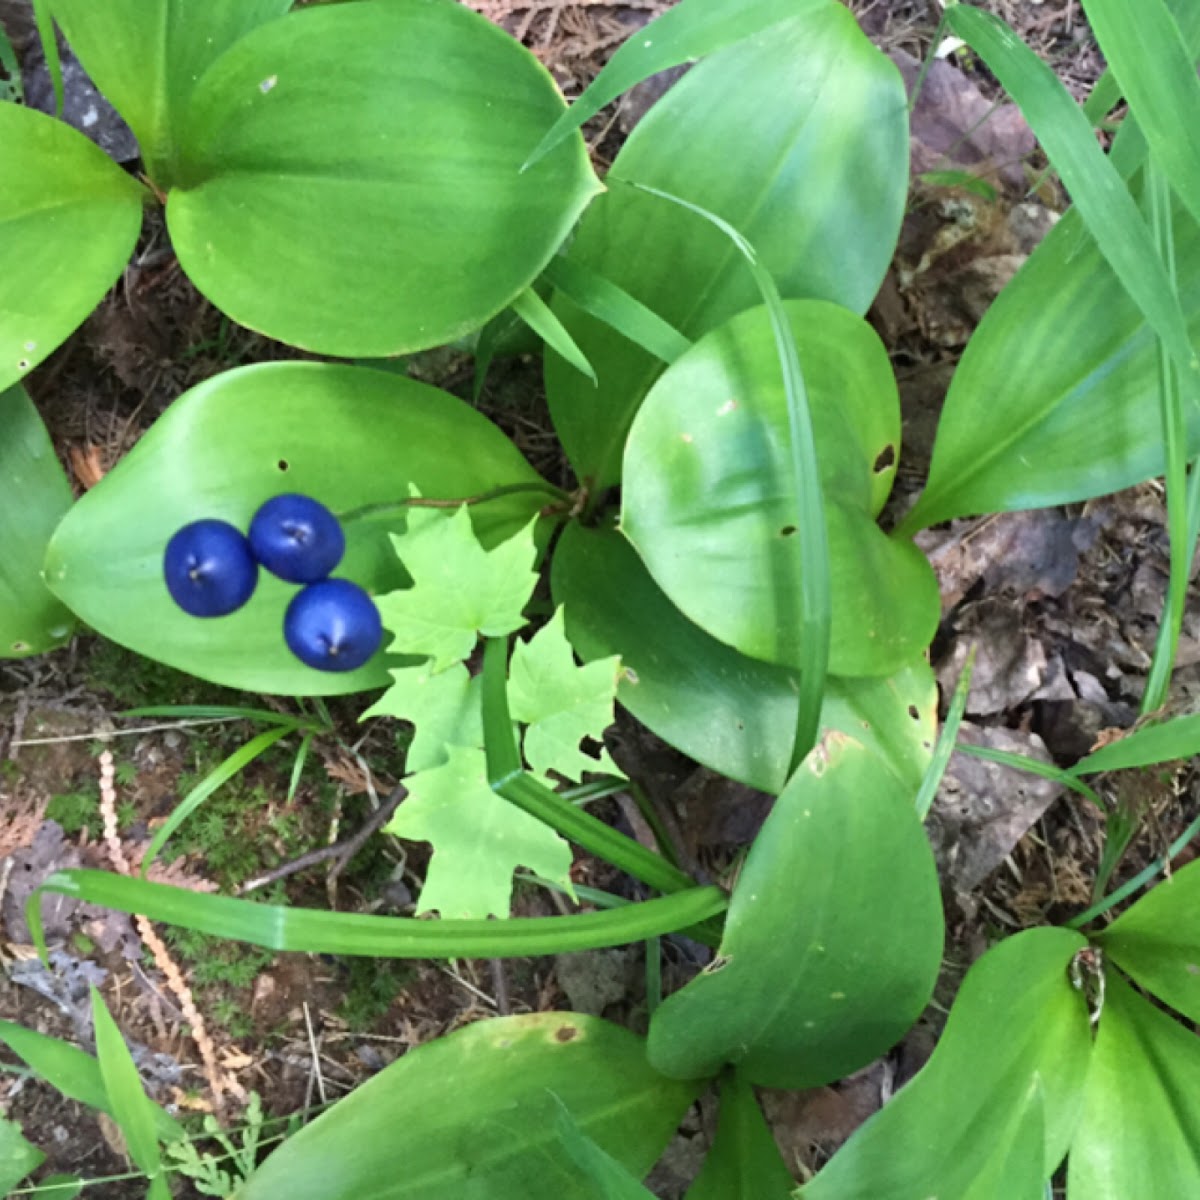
[[332, 625], [209, 569], [297, 538]]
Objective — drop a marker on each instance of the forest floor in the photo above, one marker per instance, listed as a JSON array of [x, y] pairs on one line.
[[1060, 604]]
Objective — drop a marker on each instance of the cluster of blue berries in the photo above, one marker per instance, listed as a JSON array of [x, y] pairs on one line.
[[211, 570]]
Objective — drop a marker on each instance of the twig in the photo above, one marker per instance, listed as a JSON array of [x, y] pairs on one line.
[[342, 851]]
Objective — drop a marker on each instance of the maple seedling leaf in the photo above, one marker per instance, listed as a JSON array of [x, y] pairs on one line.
[[460, 590], [444, 710], [478, 839], [562, 703]]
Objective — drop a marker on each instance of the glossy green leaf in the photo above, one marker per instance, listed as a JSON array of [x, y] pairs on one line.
[[744, 1161], [1100, 197], [1146, 51], [734, 714], [147, 55], [1139, 1134], [1064, 407], [69, 219], [75, 1073], [318, 202], [17, 1156], [1017, 1023], [818, 191], [709, 496], [34, 494], [316, 931], [1157, 941], [683, 33], [561, 703], [459, 589], [132, 1109], [443, 709], [1177, 737], [479, 839], [350, 437], [1014, 1169], [833, 938], [491, 1135]]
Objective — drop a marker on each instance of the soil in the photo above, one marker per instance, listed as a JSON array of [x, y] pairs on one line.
[[1062, 605]]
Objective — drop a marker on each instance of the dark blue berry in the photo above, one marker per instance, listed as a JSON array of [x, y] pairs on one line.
[[209, 569], [332, 625], [297, 538]]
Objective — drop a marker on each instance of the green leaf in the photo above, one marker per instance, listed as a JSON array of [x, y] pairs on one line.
[[734, 714], [744, 1161], [1017, 1023], [478, 838], [1157, 941], [132, 1109], [1014, 1169], [17, 1156], [406, 1135], [316, 931], [608, 1178], [561, 703], [1178, 737], [1099, 194], [459, 589], [537, 314], [234, 441], [838, 907], [1157, 75], [146, 56], [818, 190], [69, 219], [318, 203], [1062, 408], [34, 494], [709, 495], [1139, 1134], [443, 709], [687, 31], [75, 1073]]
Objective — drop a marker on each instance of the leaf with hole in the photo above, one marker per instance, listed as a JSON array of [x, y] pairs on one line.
[[232, 442], [818, 190]]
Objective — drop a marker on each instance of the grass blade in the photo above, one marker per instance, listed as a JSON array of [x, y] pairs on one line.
[[1035, 766], [946, 739], [689, 30], [536, 313], [1145, 747], [223, 712], [214, 779], [311, 931], [815, 617], [1156, 73], [1096, 188], [131, 1108], [613, 305]]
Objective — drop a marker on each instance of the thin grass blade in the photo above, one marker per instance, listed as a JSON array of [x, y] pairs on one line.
[[1144, 747], [946, 739], [535, 312], [1096, 188]]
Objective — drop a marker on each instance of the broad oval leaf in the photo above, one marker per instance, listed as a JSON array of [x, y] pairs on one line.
[[69, 219], [348, 436], [734, 714], [351, 181], [1139, 1134], [34, 494], [146, 56], [832, 940], [1157, 941], [709, 492], [1062, 405], [1016, 1022], [472, 1116], [17, 1156], [818, 189]]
